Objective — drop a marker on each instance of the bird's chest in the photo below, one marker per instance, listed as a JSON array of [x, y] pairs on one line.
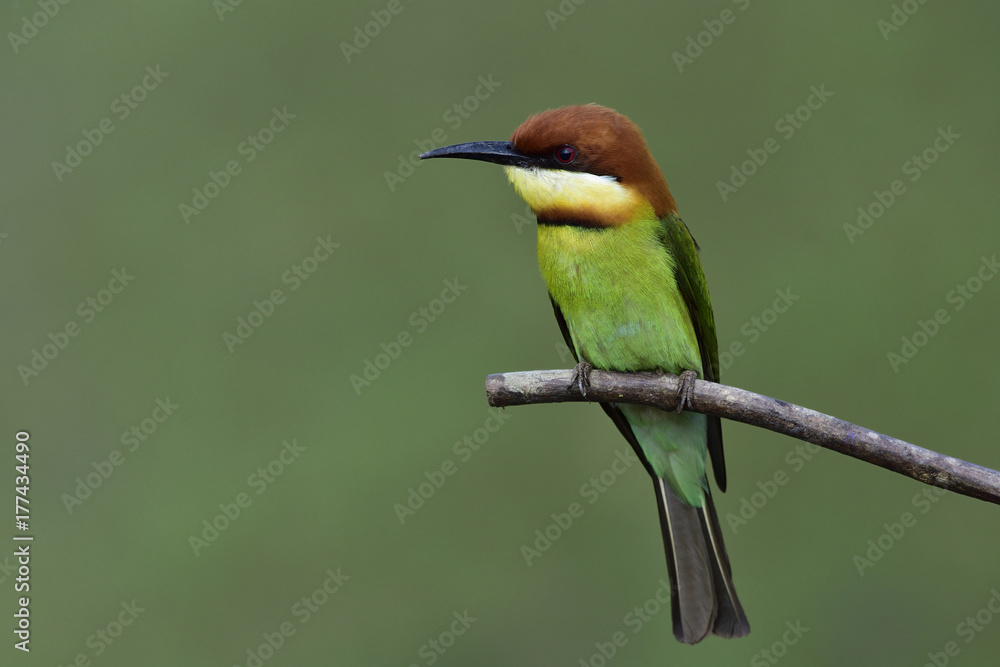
[[617, 291]]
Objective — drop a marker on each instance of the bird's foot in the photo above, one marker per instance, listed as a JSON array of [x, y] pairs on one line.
[[685, 389], [581, 377]]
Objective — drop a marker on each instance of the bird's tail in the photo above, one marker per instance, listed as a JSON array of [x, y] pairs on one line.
[[702, 596]]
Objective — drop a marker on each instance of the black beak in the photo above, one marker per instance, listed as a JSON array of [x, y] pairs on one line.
[[498, 152]]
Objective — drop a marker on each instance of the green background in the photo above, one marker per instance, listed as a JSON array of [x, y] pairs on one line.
[[324, 176]]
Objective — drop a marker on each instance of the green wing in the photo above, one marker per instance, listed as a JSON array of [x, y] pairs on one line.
[[677, 239]]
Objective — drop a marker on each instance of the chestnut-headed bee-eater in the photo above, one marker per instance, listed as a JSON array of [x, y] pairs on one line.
[[629, 293]]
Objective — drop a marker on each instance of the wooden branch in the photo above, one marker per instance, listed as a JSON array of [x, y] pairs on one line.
[[923, 465]]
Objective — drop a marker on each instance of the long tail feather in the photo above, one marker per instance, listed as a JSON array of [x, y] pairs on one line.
[[702, 596]]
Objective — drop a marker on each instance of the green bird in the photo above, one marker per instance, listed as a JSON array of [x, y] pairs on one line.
[[629, 293]]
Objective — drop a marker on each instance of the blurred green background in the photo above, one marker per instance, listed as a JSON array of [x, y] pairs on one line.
[[309, 115]]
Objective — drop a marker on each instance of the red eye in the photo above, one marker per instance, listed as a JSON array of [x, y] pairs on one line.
[[566, 154]]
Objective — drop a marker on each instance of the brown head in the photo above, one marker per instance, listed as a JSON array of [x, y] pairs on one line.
[[586, 165]]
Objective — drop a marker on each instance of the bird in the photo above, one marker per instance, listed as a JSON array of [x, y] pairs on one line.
[[629, 293]]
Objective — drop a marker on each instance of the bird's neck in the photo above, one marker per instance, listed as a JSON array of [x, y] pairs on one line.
[[579, 199]]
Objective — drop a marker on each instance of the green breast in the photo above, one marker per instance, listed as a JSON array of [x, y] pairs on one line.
[[616, 290], [615, 286]]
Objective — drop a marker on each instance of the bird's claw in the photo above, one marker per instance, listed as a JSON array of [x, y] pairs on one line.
[[685, 389], [581, 377]]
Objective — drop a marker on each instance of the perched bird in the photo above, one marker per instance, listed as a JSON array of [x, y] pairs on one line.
[[629, 293]]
